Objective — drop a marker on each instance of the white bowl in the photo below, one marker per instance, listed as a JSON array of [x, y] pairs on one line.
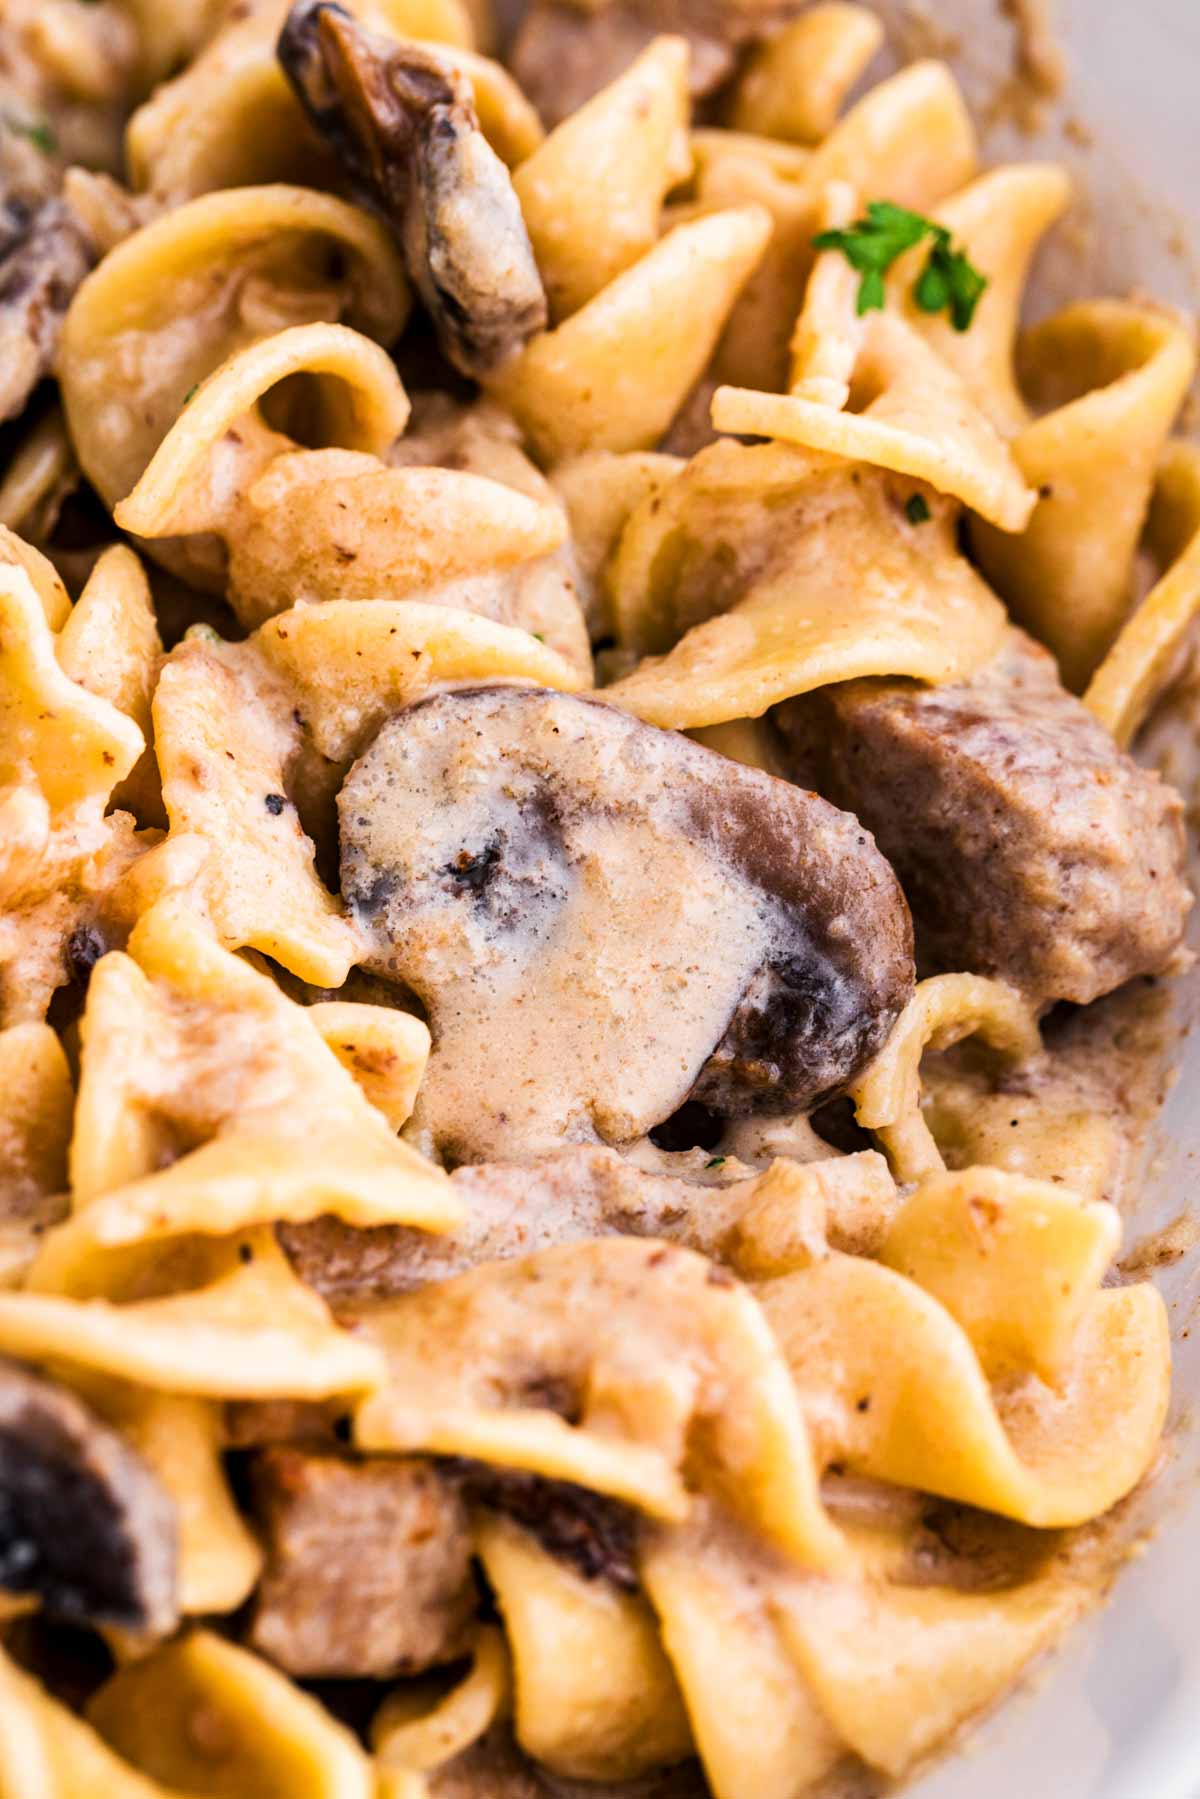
[[1115, 1713]]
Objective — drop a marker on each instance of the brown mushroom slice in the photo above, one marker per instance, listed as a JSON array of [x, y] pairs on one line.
[[1029, 846], [44, 255], [404, 124], [632, 917], [84, 1524]]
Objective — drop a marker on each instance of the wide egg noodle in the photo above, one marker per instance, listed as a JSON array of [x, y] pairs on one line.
[[594, 1697], [614, 374], [795, 85], [238, 1166], [265, 1738], [773, 570], [250, 1331], [1112, 376], [65, 749], [333, 523], [170, 303], [1147, 650], [638, 1411], [592, 193]]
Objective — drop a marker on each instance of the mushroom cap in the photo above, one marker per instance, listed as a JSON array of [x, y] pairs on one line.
[[604, 919]]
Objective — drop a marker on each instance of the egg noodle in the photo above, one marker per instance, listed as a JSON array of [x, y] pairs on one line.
[[490, 1209]]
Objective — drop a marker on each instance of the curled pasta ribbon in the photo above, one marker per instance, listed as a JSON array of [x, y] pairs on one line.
[[1147, 650], [252, 1331], [1017, 1262], [36, 1105], [614, 374], [316, 525], [592, 193], [757, 1727], [238, 266], [941, 1012], [786, 1675], [409, 1737], [202, 1715], [295, 704], [794, 86], [593, 1695], [1115, 375], [231, 119], [713, 1391], [910, 140], [333, 1153], [601, 489], [67, 745], [813, 576], [1049, 1455], [911, 414]]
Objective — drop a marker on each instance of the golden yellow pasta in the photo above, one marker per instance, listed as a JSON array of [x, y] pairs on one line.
[[797, 604], [580, 993]]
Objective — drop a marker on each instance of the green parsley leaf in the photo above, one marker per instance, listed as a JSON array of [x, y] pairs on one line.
[[916, 509], [191, 393], [948, 282], [716, 1162], [38, 132]]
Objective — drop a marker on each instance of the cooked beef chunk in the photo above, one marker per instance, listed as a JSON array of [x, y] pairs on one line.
[[603, 918], [403, 122], [1028, 845], [368, 1565], [84, 1524]]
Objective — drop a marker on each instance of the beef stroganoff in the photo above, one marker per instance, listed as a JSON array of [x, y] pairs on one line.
[[582, 955]]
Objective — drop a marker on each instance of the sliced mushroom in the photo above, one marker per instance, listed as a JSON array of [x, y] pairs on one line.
[[404, 124], [84, 1524], [44, 255], [603, 918]]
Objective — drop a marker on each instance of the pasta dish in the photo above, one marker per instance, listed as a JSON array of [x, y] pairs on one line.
[[583, 957]]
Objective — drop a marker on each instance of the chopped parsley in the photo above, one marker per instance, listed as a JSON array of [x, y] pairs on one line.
[[947, 283], [916, 509], [38, 132], [716, 1162], [191, 393]]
